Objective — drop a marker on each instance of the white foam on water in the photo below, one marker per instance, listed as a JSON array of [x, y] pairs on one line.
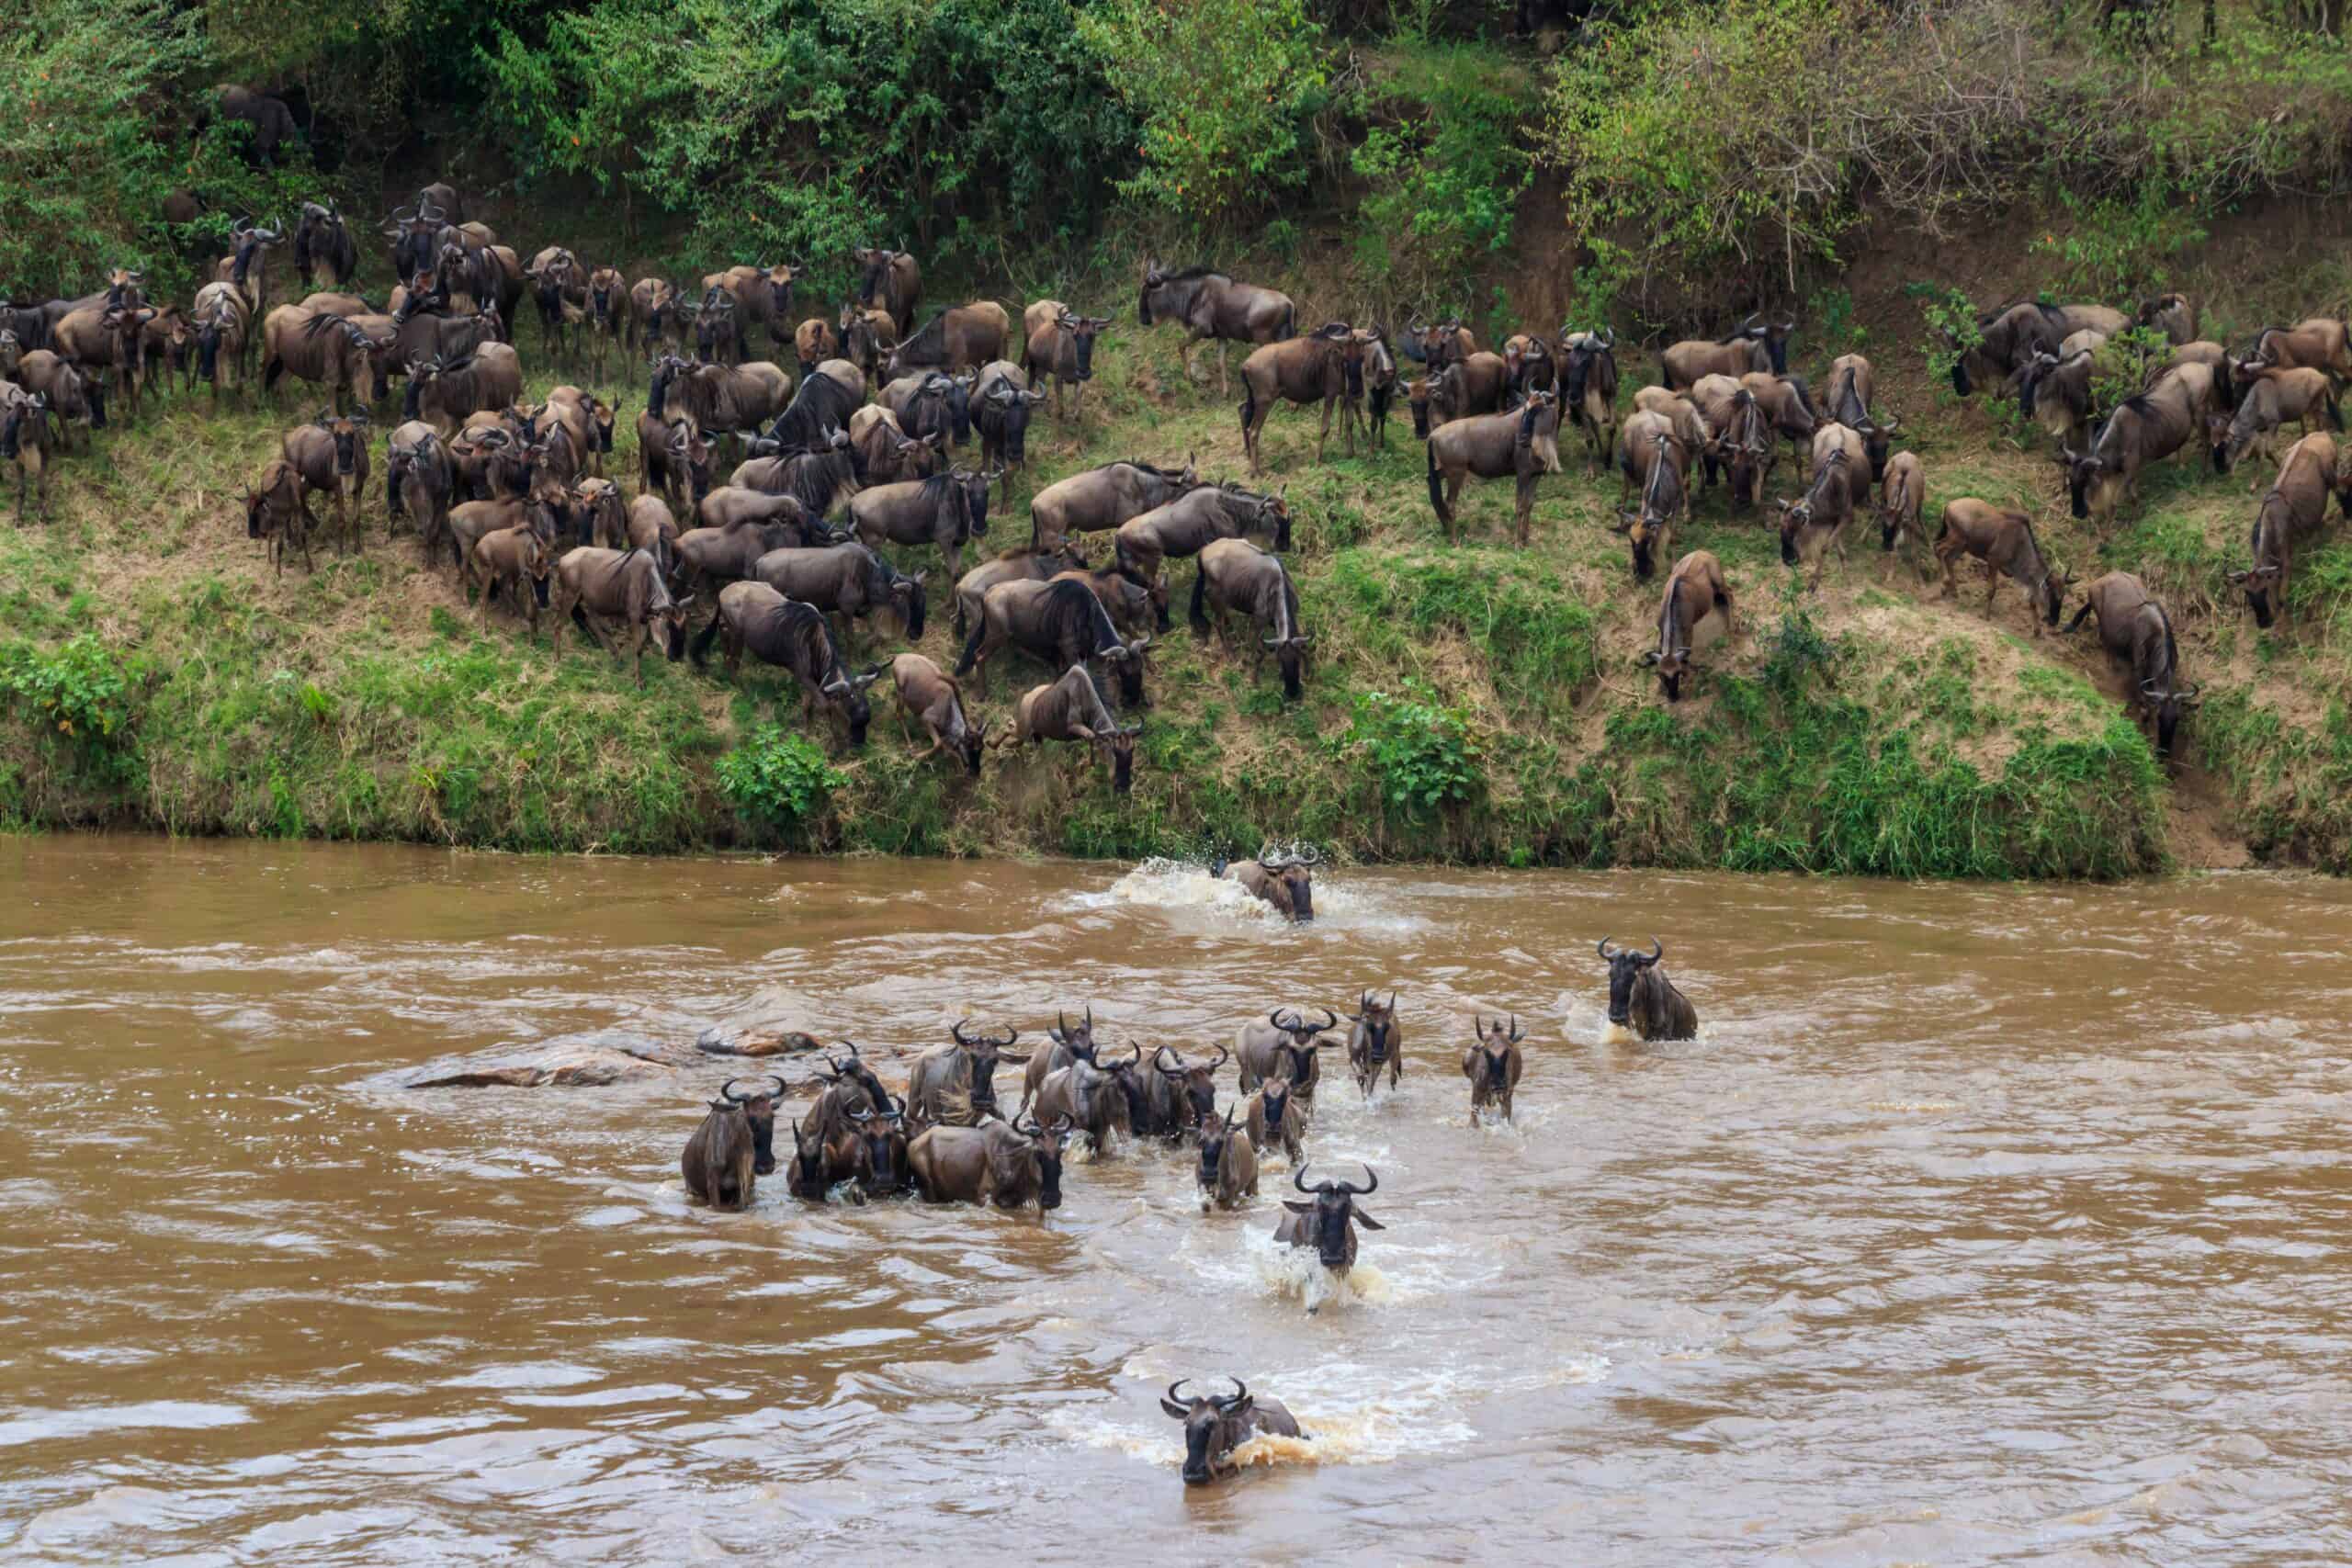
[[1184, 891]]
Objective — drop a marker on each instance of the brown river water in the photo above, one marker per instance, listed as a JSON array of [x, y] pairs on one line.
[[1981, 1224]]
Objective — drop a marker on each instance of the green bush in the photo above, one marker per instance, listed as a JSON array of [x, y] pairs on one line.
[[776, 780], [1422, 752], [1446, 162]]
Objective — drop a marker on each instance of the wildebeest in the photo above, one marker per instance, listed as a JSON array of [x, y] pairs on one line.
[[963, 337], [245, 267], [1284, 883], [933, 698], [2008, 337], [2317, 343], [1065, 1043], [331, 351], [25, 442], [846, 579], [816, 340], [1587, 383], [815, 479], [1380, 387], [1180, 1097], [2272, 397], [1437, 344], [890, 280], [1059, 623], [560, 289], [1276, 1114], [1642, 998], [1473, 385], [1209, 304], [1236, 575], [1094, 1095], [2174, 315], [867, 339], [1322, 366], [2055, 390], [653, 314], [1849, 404], [674, 458], [1650, 453], [2141, 430], [2137, 635], [74, 397], [331, 454], [734, 1144], [1102, 497], [1125, 601], [1816, 523], [626, 587], [1328, 1224], [2291, 514], [1695, 610], [729, 546], [795, 636], [608, 317], [1002, 402], [1492, 1066], [1000, 1163], [277, 510], [945, 510], [1282, 1045], [1527, 365], [419, 482], [1190, 523], [930, 403], [2005, 542], [1738, 441], [1214, 1428], [726, 398], [1072, 709], [1012, 566], [1523, 443], [884, 452], [956, 1085], [1227, 1171], [1375, 1043], [322, 243], [444, 391], [221, 326], [1756, 344], [1903, 496], [270, 124], [1060, 343], [100, 338]]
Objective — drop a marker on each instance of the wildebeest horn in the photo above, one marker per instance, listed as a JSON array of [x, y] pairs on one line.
[[1298, 1179], [1172, 1387], [1658, 949], [1223, 1057], [1608, 336], [1354, 1191], [957, 1029], [1517, 1034], [1749, 325], [1240, 1391], [860, 1117], [240, 226], [1177, 1072], [1604, 947], [1330, 1021], [1275, 1017]]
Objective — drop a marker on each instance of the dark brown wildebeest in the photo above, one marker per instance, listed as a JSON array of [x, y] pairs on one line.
[[2055, 390], [608, 318], [931, 403], [1437, 344], [1275, 1116], [1523, 443], [626, 587], [1472, 385], [2272, 397], [867, 339], [331, 454], [420, 483], [1214, 1428], [1000, 1163], [102, 338], [331, 351], [761, 293], [322, 242], [889, 280], [1380, 385], [1328, 1224], [962, 338], [1527, 365], [1209, 304], [734, 1146], [1323, 367], [1228, 1171], [2137, 635], [946, 510], [588, 417], [2005, 542], [246, 264], [1127, 602], [1695, 610], [795, 636], [1060, 343], [722, 399], [1283, 883], [817, 479], [1103, 498], [1094, 1095], [1492, 1066], [444, 391], [2174, 315], [676, 462], [560, 289], [1652, 454], [74, 397], [652, 315], [813, 342], [1375, 1041], [713, 556], [2317, 343], [1060, 624], [933, 698], [278, 510], [1811, 525], [25, 442], [1236, 575], [2291, 515], [1757, 346], [2141, 430], [1013, 566], [1072, 709], [1002, 402], [1188, 525], [2008, 337], [885, 453], [956, 1085], [1180, 1097], [221, 328], [1903, 497], [1642, 998], [847, 578], [1589, 388], [1282, 1045], [1849, 404], [270, 124], [516, 560]]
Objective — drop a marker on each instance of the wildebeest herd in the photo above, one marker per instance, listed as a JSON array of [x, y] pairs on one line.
[[945, 1137], [859, 452]]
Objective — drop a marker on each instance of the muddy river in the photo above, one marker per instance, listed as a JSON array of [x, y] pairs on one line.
[[1980, 1223]]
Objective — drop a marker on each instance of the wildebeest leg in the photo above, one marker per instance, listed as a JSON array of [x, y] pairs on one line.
[[1526, 508], [1453, 505], [1324, 435], [1992, 586], [639, 632], [1224, 387]]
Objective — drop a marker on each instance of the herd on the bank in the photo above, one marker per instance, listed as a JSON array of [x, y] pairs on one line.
[[787, 556], [946, 1138]]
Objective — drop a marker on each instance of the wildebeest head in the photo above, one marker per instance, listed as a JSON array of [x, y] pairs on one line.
[[1625, 968], [1417, 398], [1215, 1137], [713, 321], [1010, 405], [1775, 336], [1079, 333], [847, 694], [1045, 1145], [1197, 1085], [1129, 662], [759, 1109], [1079, 1042], [1796, 514], [779, 278], [1213, 1428], [985, 1052], [1273, 1093], [913, 599], [348, 431], [1119, 744], [873, 267], [690, 455], [1494, 1052], [1331, 1214], [247, 243], [1379, 1020], [1584, 350], [1153, 279], [883, 1132], [806, 1177], [1299, 884], [2168, 705], [2084, 469]]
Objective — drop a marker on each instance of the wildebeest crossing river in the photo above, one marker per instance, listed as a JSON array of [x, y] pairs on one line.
[[1978, 1223]]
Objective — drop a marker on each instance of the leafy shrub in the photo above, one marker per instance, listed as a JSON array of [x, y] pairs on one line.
[[80, 695], [1446, 162], [1422, 752], [778, 780]]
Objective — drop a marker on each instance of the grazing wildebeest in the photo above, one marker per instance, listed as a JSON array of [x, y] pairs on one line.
[[444, 391], [2272, 397], [1072, 709], [936, 700], [333, 351], [1758, 345], [1849, 404], [847, 578], [1282, 1045], [625, 586], [2005, 542], [322, 243], [1492, 1066], [1903, 497], [1589, 388], [1328, 1224], [956, 1085], [1696, 610], [1642, 998], [1102, 497], [1060, 343], [1320, 367], [25, 442], [1468, 386], [795, 637], [1189, 525], [1276, 1115], [1228, 1171], [653, 314], [962, 338], [2009, 337], [1180, 1097], [2055, 391], [1214, 1428], [945, 510], [1209, 304], [1284, 883], [2318, 343], [1813, 524], [2137, 635], [1059, 623], [1000, 1163], [276, 509], [419, 482], [1002, 402], [1650, 453], [74, 397], [2291, 514], [1523, 443], [1128, 603], [890, 280], [2141, 430], [331, 454], [1375, 1041], [1236, 575], [1012, 566]]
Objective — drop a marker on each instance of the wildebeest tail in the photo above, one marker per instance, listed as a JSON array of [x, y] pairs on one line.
[[972, 645], [1437, 485], [1248, 402], [1290, 321], [2335, 414], [1198, 614], [700, 648]]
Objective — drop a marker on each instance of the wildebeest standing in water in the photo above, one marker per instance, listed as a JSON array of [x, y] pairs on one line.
[[956, 1085], [1214, 1428], [1642, 998], [1209, 304], [1375, 1043], [1262, 1048], [1228, 1171], [1003, 1163], [1328, 1223], [1492, 1066], [1286, 884], [1277, 1112], [734, 1144], [2137, 635]]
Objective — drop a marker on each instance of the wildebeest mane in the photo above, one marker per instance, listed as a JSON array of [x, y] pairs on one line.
[[1192, 274], [820, 405], [928, 340]]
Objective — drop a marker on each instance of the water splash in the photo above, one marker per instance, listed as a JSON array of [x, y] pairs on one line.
[[1184, 891]]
